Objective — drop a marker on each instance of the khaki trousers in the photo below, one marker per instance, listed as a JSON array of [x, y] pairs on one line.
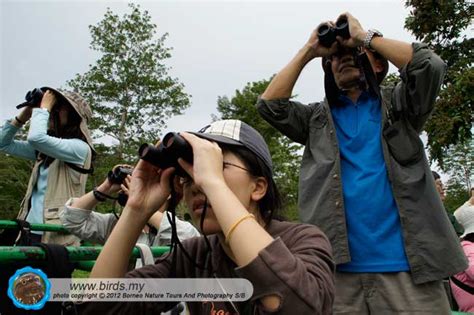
[[388, 293]]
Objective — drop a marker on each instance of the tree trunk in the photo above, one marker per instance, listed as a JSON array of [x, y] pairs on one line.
[[123, 121]]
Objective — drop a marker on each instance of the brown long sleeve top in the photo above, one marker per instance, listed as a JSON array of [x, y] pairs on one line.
[[297, 266]]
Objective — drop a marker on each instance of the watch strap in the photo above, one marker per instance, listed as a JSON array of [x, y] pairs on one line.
[[370, 35]]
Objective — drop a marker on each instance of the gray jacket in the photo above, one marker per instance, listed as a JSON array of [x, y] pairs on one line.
[[431, 245]]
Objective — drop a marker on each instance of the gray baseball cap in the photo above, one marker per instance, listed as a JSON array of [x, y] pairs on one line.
[[238, 133]]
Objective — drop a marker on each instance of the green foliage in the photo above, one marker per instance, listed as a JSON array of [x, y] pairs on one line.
[[459, 164], [391, 80], [15, 173], [286, 159], [128, 87], [456, 195], [452, 118], [441, 24], [77, 273]]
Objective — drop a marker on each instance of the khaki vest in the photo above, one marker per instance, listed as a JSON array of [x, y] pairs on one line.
[[63, 183]]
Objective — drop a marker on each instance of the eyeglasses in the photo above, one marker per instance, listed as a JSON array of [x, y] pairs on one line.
[[187, 179], [235, 165]]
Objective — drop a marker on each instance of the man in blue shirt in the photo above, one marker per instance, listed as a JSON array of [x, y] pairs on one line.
[[364, 177]]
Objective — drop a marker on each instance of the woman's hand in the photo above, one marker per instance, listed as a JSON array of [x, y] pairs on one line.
[[148, 188], [48, 101], [207, 161], [25, 114]]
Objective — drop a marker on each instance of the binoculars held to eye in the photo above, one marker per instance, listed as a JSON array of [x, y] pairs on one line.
[[118, 174], [168, 152], [33, 98], [327, 34]]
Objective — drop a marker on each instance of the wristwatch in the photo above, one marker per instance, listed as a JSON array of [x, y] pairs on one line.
[[370, 35]]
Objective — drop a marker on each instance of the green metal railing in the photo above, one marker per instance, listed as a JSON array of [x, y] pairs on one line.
[[7, 224], [83, 256], [10, 254]]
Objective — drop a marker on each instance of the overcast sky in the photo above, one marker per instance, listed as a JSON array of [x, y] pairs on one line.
[[217, 46]]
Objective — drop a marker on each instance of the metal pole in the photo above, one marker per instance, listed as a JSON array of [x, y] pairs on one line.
[[7, 224], [76, 254]]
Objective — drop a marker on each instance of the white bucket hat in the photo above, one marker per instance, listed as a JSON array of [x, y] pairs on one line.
[[465, 216]]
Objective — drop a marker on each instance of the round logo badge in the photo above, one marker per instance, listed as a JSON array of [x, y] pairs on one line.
[[29, 288]]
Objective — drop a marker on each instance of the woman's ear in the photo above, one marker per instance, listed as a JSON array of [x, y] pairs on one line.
[[259, 189]]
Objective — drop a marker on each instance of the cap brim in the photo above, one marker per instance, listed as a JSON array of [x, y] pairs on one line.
[[217, 138]]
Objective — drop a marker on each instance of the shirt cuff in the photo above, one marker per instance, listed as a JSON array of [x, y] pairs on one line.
[[261, 271]]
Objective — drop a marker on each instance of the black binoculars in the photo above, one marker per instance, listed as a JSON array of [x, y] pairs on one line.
[[168, 152], [33, 98], [118, 175], [327, 34]]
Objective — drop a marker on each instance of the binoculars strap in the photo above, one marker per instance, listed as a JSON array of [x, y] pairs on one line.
[[368, 74]]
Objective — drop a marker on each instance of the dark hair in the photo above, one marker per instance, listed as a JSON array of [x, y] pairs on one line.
[[469, 237], [435, 175], [271, 203], [72, 129]]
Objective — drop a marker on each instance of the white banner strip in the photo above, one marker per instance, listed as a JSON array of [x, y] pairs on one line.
[[158, 290]]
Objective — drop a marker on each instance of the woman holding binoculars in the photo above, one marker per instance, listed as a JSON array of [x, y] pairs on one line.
[[230, 193], [60, 144]]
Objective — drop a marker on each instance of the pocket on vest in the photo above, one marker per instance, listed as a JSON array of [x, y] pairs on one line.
[[51, 216], [75, 176]]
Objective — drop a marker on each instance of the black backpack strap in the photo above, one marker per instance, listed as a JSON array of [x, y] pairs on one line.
[[80, 169], [24, 237], [462, 285], [57, 257], [57, 265]]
